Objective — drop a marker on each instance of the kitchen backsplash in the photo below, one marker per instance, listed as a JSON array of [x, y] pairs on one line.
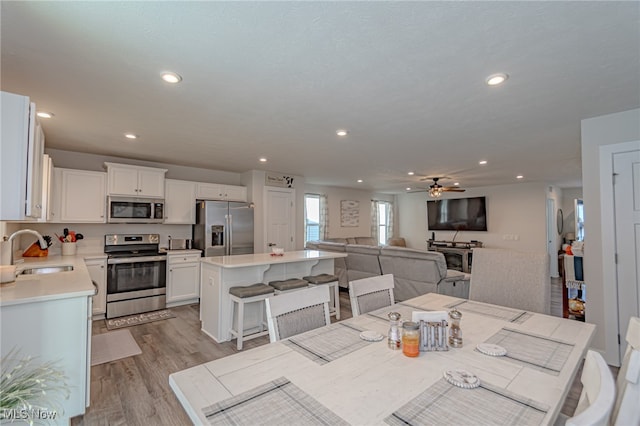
[[94, 234]]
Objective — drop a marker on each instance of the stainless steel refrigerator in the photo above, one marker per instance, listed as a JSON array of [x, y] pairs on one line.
[[223, 228]]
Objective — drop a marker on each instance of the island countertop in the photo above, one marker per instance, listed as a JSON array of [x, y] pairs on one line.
[[244, 260]]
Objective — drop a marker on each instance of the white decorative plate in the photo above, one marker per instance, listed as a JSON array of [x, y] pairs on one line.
[[491, 349], [371, 336], [462, 378]]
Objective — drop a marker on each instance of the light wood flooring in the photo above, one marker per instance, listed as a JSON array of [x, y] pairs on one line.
[[135, 390]]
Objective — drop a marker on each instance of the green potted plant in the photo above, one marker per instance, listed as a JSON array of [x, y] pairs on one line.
[[30, 391]]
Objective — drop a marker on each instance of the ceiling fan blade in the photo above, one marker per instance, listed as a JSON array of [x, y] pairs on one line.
[[452, 189]]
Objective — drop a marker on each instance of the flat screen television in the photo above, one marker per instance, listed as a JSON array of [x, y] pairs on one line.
[[457, 214]]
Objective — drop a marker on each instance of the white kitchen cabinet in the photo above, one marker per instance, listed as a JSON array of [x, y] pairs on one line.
[[54, 331], [137, 181], [82, 196], [98, 271], [179, 202], [22, 145], [214, 191], [55, 196], [47, 184], [183, 278]]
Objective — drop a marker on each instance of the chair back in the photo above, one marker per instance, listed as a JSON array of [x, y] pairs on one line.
[[626, 410], [510, 278], [369, 294], [598, 393], [293, 313]]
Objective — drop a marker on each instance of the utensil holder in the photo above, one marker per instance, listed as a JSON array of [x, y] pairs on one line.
[[69, 249]]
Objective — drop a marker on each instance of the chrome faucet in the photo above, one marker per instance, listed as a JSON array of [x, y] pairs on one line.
[[41, 240]]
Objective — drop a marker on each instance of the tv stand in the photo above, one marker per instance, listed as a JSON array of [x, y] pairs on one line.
[[458, 254]]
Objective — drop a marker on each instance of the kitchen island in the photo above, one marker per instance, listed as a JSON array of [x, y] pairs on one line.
[[219, 273]]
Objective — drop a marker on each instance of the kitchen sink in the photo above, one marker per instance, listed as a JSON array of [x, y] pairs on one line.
[[46, 270]]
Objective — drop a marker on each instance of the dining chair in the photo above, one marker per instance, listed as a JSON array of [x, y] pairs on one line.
[[293, 313], [626, 410], [369, 294], [598, 393], [515, 279]]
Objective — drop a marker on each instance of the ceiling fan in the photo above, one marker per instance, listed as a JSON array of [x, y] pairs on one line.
[[435, 189]]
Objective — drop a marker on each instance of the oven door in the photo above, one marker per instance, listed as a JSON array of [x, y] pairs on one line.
[[132, 277]]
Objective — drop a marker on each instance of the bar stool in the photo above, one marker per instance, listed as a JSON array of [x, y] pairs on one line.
[[282, 286], [249, 294], [332, 282]]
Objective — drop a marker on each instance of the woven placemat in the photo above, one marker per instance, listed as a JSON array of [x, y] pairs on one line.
[[138, 319]]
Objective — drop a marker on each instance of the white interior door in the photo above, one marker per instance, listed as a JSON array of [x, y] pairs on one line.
[[626, 168], [280, 218]]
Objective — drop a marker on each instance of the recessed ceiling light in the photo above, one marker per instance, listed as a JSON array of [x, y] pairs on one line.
[[359, 180], [171, 77], [411, 173], [495, 79], [456, 184], [263, 160], [482, 162], [130, 136], [341, 132], [519, 177], [44, 114], [408, 189]]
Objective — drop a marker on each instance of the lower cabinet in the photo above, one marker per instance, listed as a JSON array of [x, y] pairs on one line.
[[98, 272], [183, 278], [56, 331]]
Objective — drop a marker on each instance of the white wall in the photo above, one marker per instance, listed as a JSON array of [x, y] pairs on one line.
[[335, 195], [517, 210], [599, 268]]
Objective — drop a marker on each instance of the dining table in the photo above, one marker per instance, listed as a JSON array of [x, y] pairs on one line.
[[340, 374]]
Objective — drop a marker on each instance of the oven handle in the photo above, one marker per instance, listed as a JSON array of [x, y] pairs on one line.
[[139, 259]]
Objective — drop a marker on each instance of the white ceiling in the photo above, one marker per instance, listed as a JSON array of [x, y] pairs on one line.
[[277, 79]]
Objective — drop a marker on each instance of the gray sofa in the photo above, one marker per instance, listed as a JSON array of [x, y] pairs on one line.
[[415, 272]]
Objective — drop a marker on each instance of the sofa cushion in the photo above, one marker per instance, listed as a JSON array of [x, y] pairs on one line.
[[362, 261], [337, 240], [434, 256], [415, 272], [368, 241]]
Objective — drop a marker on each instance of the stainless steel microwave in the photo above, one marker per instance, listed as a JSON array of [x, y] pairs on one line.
[[135, 210]]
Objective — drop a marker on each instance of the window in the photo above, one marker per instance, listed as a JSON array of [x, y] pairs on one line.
[[311, 217], [381, 221]]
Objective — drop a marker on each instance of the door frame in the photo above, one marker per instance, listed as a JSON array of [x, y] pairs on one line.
[[552, 238], [292, 225], [608, 230]]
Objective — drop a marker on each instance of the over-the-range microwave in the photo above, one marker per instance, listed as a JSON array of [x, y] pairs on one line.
[[135, 210]]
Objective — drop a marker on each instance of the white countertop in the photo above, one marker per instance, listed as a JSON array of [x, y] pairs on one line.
[[180, 251], [43, 287], [244, 260]]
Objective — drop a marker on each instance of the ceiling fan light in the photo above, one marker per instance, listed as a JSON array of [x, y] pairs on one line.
[[435, 191]]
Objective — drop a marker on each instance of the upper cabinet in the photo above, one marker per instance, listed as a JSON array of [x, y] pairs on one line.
[[22, 145], [136, 181], [179, 202], [82, 196], [213, 191]]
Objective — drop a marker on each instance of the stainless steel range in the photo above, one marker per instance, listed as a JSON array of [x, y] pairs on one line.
[[136, 274]]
